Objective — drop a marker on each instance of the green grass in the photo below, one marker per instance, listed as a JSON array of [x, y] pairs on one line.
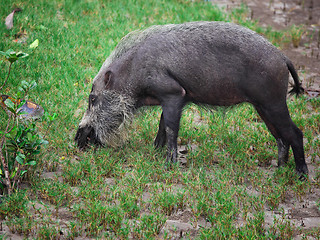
[[126, 191]]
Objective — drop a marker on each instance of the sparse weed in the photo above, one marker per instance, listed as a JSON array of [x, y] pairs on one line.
[[168, 202], [99, 217], [148, 226], [54, 192], [14, 205], [23, 225], [15, 213], [129, 203], [281, 228], [296, 33], [48, 232]]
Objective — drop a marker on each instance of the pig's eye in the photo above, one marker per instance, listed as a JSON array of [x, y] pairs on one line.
[[92, 100]]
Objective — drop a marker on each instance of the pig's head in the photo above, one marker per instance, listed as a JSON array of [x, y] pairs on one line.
[[108, 114]]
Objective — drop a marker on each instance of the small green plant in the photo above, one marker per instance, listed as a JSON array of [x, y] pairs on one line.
[[296, 33], [14, 205], [281, 228], [20, 141], [149, 226], [14, 212], [54, 192], [11, 56], [169, 202], [98, 217], [48, 232]]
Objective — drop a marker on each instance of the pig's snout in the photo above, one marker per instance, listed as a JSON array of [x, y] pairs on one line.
[[86, 135]]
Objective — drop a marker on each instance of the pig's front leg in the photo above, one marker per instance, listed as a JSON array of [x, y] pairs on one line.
[[172, 109], [161, 138]]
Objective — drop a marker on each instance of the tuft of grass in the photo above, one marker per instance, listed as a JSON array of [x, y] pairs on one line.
[[148, 226], [296, 33]]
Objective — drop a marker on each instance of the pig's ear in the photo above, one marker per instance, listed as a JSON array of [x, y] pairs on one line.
[[108, 79]]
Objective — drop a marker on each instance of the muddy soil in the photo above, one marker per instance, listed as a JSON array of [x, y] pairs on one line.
[[283, 14]]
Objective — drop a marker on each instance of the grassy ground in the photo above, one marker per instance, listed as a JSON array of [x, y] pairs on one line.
[[221, 189]]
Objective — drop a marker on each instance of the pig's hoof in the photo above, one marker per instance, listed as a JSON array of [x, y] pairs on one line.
[[160, 141], [282, 162], [302, 173]]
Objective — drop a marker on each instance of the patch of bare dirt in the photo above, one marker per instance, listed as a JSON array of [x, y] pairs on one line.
[[283, 14]]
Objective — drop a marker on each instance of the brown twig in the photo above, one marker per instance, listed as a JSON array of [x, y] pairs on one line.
[[3, 160]]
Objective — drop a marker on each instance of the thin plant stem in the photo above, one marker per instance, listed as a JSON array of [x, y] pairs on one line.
[[7, 76], [3, 160]]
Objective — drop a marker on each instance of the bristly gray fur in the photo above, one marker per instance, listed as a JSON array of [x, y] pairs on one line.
[[133, 40], [214, 63], [110, 117], [129, 42]]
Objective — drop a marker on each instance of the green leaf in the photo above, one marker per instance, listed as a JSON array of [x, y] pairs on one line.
[[14, 173], [49, 117], [23, 86], [10, 105], [29, 137], [20, 158], [35, 44], [22, 55], [19, 93], [22, 173], [27, 86], [32, 84], [13, 56], [21, 104], [53, 116], [32, 163], [22, 113], [8, 102], [7, 53]]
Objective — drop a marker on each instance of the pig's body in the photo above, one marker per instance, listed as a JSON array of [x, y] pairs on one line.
[[211, 63]]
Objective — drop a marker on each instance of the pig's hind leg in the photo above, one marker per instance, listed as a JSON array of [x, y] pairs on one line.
[[278, 120], [283, 146]]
